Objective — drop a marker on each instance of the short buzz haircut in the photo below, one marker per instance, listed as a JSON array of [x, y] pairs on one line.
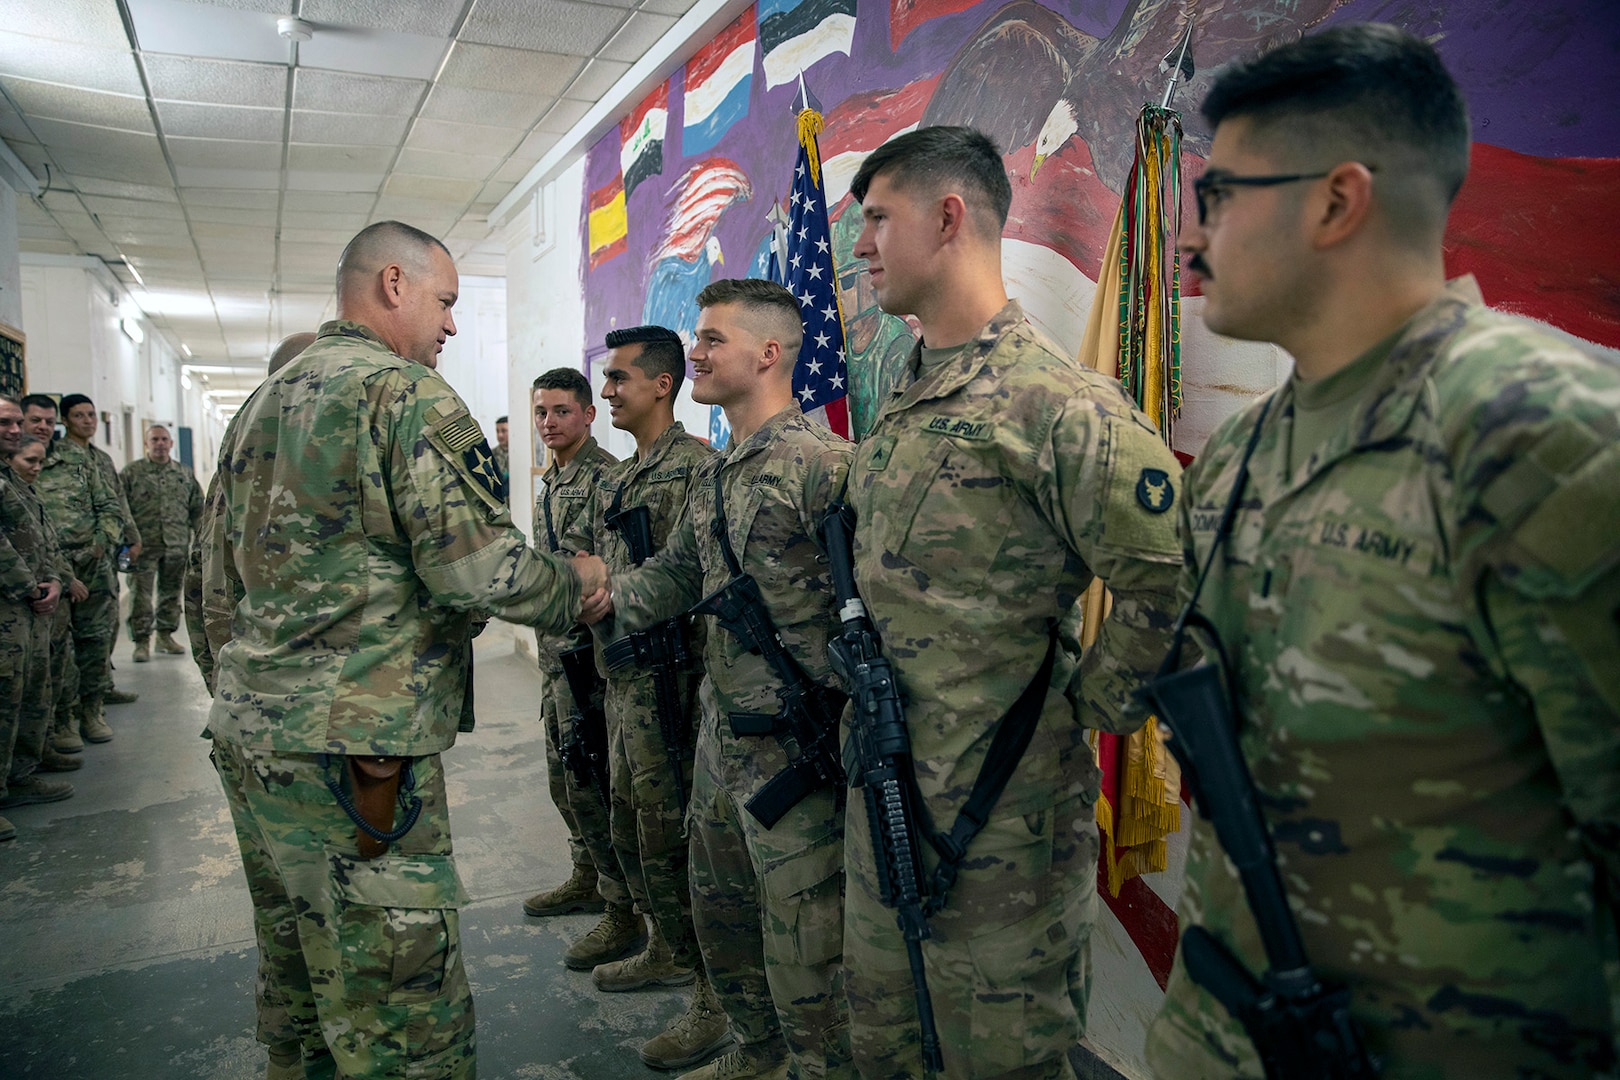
[[501, 419], [932, 159], [382, 243], [1365, 92], [662, 352], [565, 378], [71, 402], [765, 302], [156, 427], [37, 401]]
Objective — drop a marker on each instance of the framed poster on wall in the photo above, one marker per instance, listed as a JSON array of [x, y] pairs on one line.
[[13, 369]]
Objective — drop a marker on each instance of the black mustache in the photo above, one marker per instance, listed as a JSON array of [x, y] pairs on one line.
[[1198, 266]]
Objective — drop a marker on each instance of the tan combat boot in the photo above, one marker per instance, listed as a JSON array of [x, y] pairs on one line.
[[93, 725], [653, 966], [34, 788], [65, 734], [167, 644], [757, 1061], [143, 650], [53, 760], [620, 933], [701, 1032], [116, 696], [577, 894]]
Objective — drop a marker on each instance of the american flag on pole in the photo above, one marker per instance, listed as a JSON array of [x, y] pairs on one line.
[[821, 377]]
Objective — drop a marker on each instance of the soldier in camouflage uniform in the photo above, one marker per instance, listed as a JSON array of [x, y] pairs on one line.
[[286, 351], [361, 524], [503, 451], [1417, 595], [767, 902], [32, 571], [998, 480], [644, 369], [562, 419], [89, 523], [166, 502], [79, 419]]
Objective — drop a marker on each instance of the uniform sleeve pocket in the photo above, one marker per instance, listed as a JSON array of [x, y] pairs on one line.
[[804, 906], [396, 922]]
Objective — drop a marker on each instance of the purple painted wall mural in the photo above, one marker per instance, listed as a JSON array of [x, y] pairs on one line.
[[1058, 86]]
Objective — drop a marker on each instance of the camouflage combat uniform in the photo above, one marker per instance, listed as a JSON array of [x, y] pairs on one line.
[[191, 592], [131, 537], [503, 462], [89, 523], [647, 814], [166, 503], [993, 487], [767, 903], [360, 522], [29, 558], [1427, 667], [564, 500]]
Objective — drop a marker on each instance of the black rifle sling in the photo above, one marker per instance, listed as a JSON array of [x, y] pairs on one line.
[[1014, 731], [722, 529], [551, 528]]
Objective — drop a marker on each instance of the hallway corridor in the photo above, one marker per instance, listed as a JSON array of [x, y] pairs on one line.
[[127, 948]]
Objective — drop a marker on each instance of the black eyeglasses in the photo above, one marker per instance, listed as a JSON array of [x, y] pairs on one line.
[[1208, 189]]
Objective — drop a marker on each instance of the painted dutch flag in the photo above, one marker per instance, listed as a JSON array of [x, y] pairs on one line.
[[794, 34], [718, 80], [641, 135]]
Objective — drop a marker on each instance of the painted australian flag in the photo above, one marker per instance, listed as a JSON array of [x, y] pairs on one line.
[[821, 378]]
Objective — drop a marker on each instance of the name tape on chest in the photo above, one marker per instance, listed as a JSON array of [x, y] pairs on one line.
[[957, 428]]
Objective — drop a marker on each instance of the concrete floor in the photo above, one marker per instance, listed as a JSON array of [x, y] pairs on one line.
[[126, 941]]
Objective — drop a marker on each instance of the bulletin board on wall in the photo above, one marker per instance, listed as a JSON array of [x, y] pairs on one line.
[[13, 366]]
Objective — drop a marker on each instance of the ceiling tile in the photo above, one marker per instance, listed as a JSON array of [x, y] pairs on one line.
[[404, 208], [453, 138], [668, 7], [140, 253], [216, 82], [226, 197], [322, 223], [111, 70], [564, 115], [516, 168], [374, 52], [333, 91], [348, 182], [329, 202], [194, 176], [434, 18], [457, 192], [364, 130], [299, 231], [60, 200], [216, 30], [224, 154], [596, 80], [46, 231], [105, 207], [189, 120], [81, 106], [637, 36], [481, 106], [13, 128], [233, 215], [214, 234], [339, 158], [118, 189], [50, 247], [495, 191], [546, 25], [455, 166], [516, 71], [89, 22]]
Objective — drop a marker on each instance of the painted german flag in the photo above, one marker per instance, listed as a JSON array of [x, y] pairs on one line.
[[607, 228]]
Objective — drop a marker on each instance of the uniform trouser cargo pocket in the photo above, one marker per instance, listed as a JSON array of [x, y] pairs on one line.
[[1028, 978], [396, 925], [804, 900]]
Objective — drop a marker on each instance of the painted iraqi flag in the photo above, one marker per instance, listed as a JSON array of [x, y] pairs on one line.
[[641, 139], [794, 34], [607, 228], [718, 79]]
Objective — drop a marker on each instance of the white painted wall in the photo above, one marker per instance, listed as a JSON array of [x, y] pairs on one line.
[[10, 268], [474, 361]]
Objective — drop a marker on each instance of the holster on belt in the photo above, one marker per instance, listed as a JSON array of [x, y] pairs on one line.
[[374, 784]]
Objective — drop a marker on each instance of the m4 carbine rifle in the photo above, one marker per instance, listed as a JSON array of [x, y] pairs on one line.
[[883, 764], [809, 712], [584, 752]]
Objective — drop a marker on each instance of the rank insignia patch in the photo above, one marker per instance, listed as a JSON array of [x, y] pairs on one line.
[[1154, 491]]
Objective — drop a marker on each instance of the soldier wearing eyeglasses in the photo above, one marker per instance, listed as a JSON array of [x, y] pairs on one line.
[[1417, 596]]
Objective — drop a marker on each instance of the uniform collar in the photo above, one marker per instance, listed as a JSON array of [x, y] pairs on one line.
[[952, 375], [349, 329], [559, 474], [769, 432], [658, 450]]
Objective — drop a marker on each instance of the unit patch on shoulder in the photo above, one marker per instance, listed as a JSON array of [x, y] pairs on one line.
[[1155, 491]]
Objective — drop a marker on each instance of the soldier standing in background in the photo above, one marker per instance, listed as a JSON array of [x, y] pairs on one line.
[[32, 572], [563, 413], [638, 504], [286, 351], [164, 498], [998, 481], [1417, 594], [767, 898], [78, 414], [89, 524], [361, 526], [503, 452]]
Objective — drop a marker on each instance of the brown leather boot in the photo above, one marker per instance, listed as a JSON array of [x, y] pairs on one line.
[[577, 894], [620, 933], [143, 650], [92, 724], [54, 760], [700, 1033], [654, 966]]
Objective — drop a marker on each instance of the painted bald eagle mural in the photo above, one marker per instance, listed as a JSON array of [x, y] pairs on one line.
[[684, 261]]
